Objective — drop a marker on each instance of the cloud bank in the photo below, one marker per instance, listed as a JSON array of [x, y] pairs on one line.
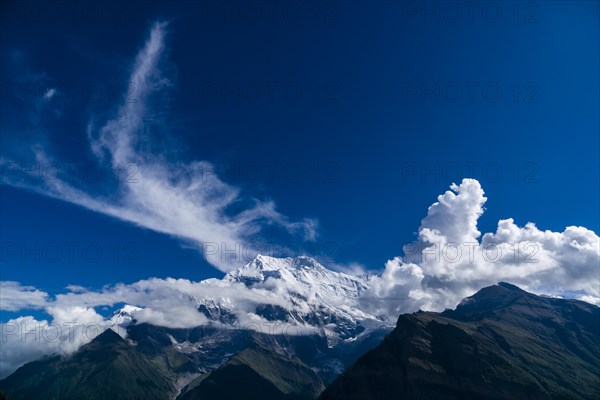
[[449, 261]]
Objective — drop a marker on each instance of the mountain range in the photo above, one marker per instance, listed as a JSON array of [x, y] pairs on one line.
[[500, 343], [294, 312]]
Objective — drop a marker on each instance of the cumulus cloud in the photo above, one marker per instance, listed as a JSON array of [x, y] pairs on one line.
[[449, 262], [184, 200], [455, 214]]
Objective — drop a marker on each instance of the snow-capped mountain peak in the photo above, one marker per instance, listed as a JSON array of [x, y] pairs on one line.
[[301, 292], [302, 275], [124, 315], [276, 294], [263, 263]]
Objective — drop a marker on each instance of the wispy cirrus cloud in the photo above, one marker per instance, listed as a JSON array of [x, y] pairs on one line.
[[184, 200]]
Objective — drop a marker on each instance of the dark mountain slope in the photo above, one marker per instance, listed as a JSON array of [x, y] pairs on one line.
[[257, 373], [501, 343], [106, 368]]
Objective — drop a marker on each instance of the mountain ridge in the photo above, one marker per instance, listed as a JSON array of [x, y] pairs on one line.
[[500, 343], [107, 367], [269, 375]]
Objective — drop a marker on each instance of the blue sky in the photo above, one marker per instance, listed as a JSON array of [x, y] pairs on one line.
[[355, 115]]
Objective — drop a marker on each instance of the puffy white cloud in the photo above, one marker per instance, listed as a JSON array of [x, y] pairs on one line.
[[455, 214], [448, 261]]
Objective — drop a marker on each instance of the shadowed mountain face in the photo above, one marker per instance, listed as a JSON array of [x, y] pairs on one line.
[[501, 343], [106, 368], [295, 304], [155, 363], [257, 373]]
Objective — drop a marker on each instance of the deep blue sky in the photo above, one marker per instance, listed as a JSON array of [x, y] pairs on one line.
[[352, 97]]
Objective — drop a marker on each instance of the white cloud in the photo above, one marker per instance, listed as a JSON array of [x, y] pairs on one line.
[[50, 93], [167, 302], [184, 200], [352, 268], [25, 339], [14, 297], [591, 299], [456, 212], [448, 262]]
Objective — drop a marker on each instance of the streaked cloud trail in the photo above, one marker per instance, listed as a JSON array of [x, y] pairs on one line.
[[184, 200]]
